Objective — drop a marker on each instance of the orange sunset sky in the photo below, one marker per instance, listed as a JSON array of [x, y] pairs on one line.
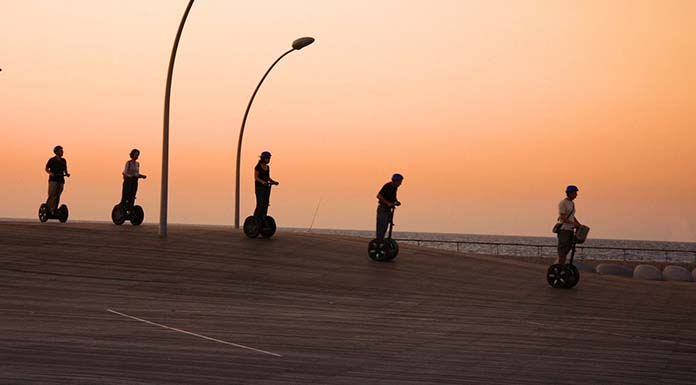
[[489, 108]]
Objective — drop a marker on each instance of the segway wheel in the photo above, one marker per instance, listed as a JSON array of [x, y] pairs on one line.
[[252, 227], [376, 250], [118, 214], [558, 276], [43, 212], [137, 216], [63, 213], [269, 227], [391, 248], [574, 276]]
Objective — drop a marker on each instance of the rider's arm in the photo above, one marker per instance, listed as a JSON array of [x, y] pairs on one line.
[[48, 168], [66, 173], [564, 213], [384, 201], [564, 217], [126, 170], [256, 177]]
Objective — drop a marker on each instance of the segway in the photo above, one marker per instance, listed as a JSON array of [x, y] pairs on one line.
[[61, 214], [567, 276], [382, 250], [122, 213], [254, 226]]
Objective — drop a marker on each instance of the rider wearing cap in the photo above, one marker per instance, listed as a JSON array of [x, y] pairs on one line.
[[566, 216], [387, 201], [262, 177], [57, 170]]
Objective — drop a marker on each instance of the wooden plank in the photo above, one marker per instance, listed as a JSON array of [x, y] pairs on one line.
[[335, 317]]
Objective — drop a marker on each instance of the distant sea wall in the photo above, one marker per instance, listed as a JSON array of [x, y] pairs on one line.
[[594, 249]]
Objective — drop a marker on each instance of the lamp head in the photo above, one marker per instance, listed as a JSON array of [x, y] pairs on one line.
[[302, 42]]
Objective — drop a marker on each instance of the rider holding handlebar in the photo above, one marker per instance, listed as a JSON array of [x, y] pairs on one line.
[[387, 201], [263, 183], [57, 170], [131, 174]]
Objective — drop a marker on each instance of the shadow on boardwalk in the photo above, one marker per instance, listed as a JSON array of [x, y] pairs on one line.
[[208, 305]]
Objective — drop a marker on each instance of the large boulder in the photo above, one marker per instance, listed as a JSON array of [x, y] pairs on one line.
[[677, 273], [613, 269], [649, 272], [585, 267]]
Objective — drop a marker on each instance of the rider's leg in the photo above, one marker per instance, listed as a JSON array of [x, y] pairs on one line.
[[565, 244], [266, 201], [258, 212], [53, 196], [130, 186], [132, 191], [383, 219], [124, 192]]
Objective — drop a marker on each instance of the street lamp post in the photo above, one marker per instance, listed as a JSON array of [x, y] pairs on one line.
[[296, 46], [165, 134]]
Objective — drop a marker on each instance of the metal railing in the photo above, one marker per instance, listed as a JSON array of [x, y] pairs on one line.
[[626, 253]]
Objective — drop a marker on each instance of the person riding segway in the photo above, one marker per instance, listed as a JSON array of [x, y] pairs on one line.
[[57, 170], [381, 248], [127, 209], [261, 223], [567, 275], [570, 232]]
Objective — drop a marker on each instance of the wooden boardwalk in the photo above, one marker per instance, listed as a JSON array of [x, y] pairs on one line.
[[84, 303]]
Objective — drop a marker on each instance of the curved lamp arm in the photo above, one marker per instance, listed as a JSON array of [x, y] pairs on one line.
[[165, 134], [297, 45]]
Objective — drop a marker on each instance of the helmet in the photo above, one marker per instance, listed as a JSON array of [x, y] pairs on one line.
[[572, 188], [56, 149], [397, 177], [265, 154]]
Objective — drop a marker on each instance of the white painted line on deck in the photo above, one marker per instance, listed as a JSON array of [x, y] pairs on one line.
[[193, 334]]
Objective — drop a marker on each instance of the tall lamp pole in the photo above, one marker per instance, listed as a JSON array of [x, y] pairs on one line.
[[296, 46], [165, 135]]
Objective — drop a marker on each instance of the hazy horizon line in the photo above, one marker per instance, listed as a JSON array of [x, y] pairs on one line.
[[10, 219]]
